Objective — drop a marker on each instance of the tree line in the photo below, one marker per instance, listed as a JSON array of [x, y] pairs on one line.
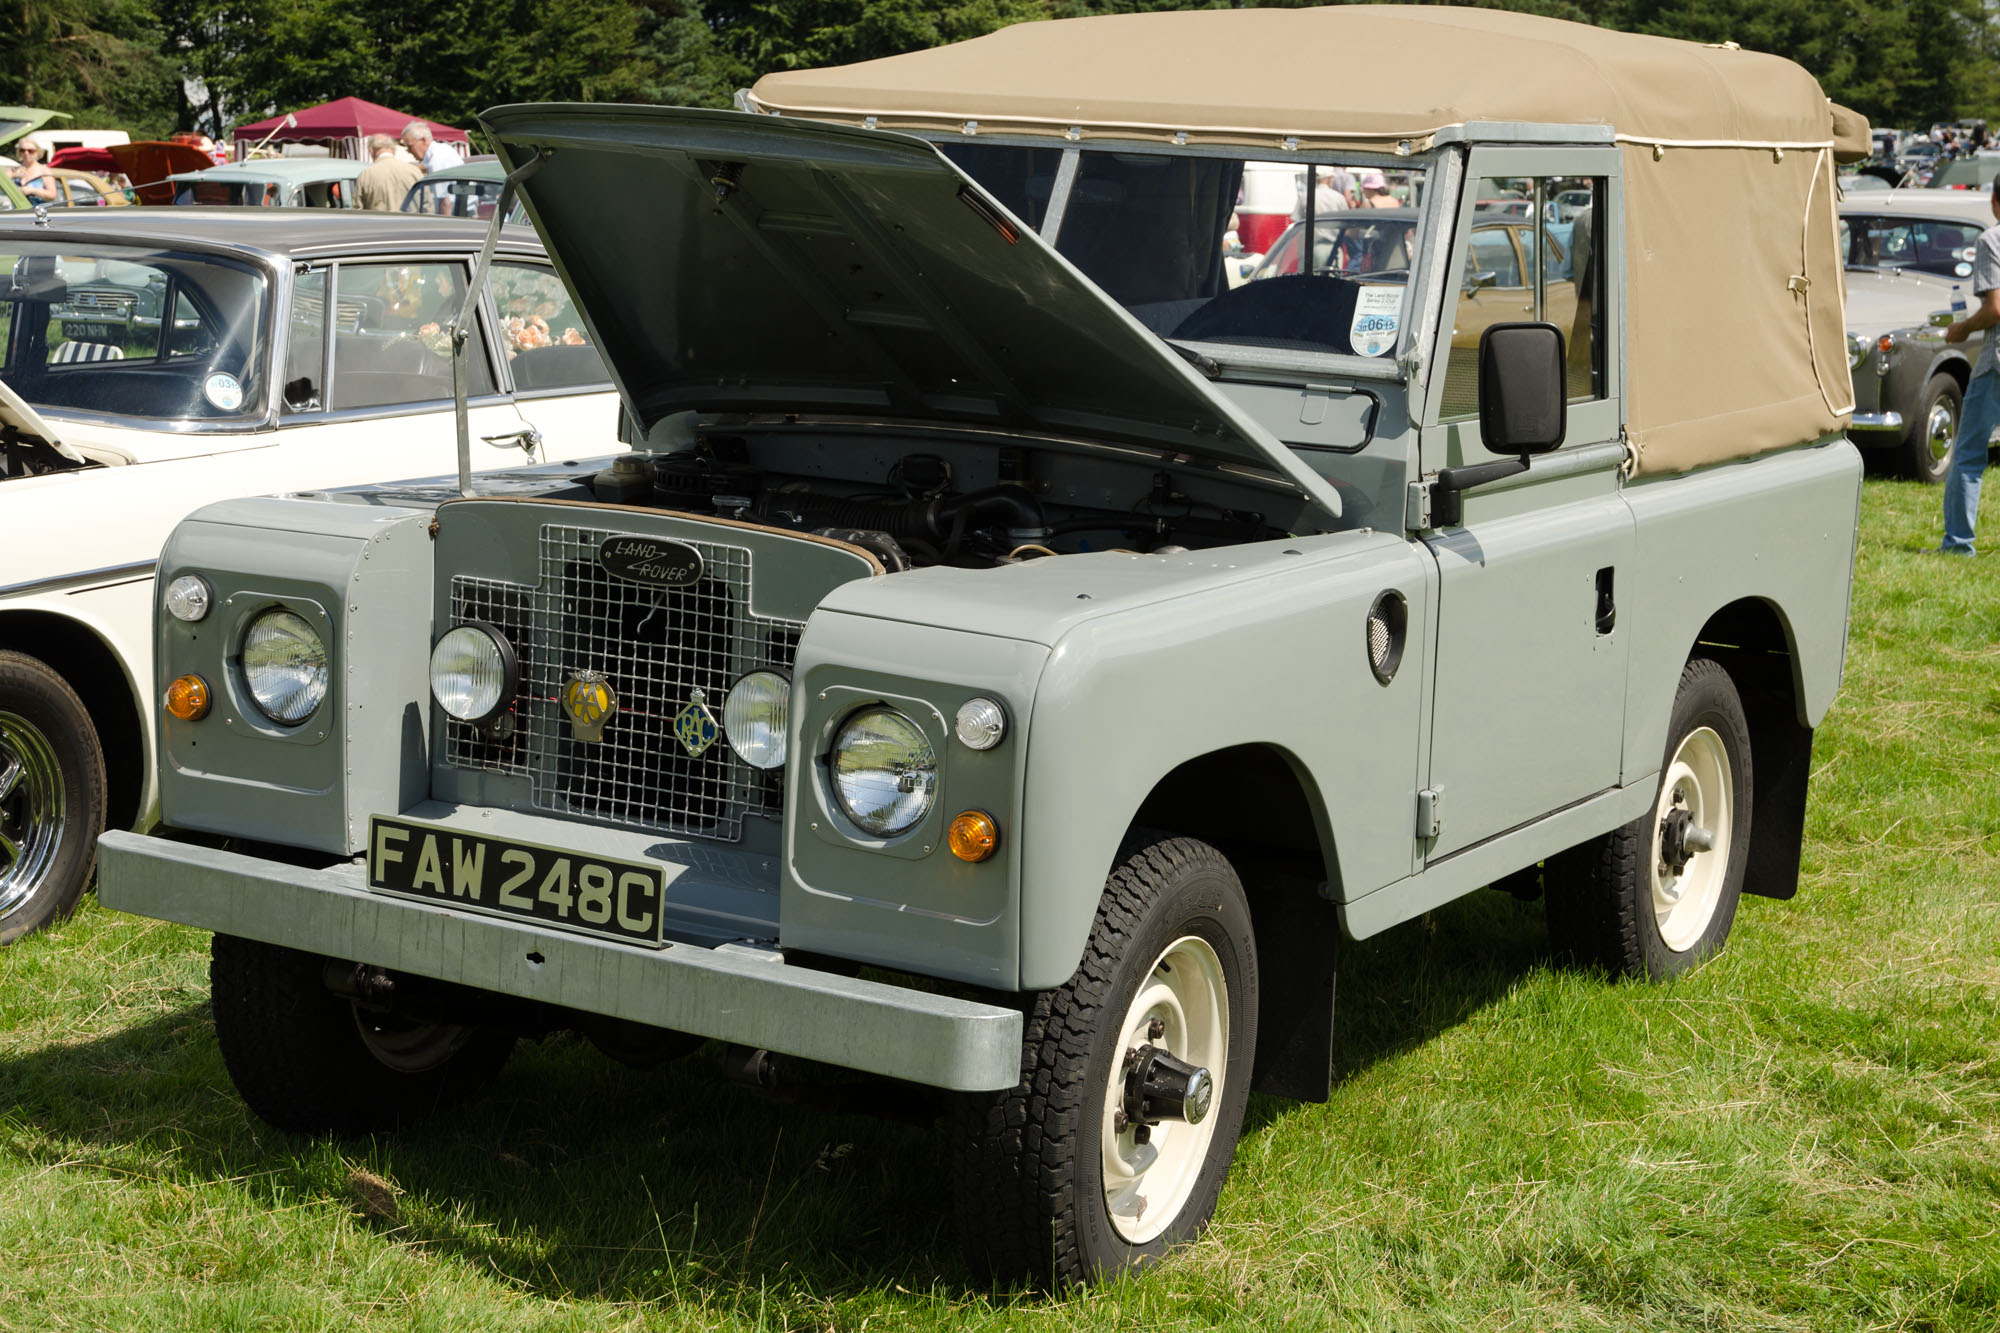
[[152, 66]]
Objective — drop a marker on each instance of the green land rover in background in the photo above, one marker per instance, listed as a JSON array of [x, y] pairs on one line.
[[1009, 658]]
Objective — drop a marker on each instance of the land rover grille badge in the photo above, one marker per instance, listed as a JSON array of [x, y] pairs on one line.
[[694, 726], [590, 701]]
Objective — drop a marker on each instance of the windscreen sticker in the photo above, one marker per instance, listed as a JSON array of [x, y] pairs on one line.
[[1377, 313], [223, 391]]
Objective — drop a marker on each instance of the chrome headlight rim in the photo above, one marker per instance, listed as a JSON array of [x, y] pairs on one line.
[[893, 819], [507, 661], [741, 728], [307, 694], [1857, 350]]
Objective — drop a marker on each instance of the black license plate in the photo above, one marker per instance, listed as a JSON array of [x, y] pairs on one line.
[[593, 894]]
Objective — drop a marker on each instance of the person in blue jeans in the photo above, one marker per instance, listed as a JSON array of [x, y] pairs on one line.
[[1981, 412]]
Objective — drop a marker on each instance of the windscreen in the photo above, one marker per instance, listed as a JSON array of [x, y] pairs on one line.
[[1215, 249], [133, 332]]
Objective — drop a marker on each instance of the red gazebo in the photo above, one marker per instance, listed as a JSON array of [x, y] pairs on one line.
[[342, 124]]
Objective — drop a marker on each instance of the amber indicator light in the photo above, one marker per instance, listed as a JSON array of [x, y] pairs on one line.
[[187, 698], [974, 836]]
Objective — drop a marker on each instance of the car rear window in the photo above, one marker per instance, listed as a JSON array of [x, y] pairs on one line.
[[128, 331]]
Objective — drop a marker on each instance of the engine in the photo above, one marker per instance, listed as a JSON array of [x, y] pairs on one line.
[[922, 511]]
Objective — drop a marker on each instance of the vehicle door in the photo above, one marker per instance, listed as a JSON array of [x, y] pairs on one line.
[[366, 393], [1528, 700], [559, 383]]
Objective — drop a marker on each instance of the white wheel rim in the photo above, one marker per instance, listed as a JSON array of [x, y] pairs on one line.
[[1147, 1184], [1700, 782]]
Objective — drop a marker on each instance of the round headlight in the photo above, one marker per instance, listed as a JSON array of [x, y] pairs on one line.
[[754, 717], [284, 666], [188, 597], [474, 672], [1857, 348], [884, 771]]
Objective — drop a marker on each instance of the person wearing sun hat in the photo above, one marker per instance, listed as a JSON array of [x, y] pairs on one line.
[[1375, 191]]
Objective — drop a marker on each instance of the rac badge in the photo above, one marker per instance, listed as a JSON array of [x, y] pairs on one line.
[[663, 564], [590, 701], [694, 726]]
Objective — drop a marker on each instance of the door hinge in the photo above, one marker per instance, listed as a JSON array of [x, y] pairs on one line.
[[1430, 812], [1417, 507]]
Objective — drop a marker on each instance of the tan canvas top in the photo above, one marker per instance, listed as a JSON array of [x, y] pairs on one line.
[[1342, 74], [1733, 280]]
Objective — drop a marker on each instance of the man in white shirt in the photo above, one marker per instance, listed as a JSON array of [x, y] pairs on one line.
[[433, 157]]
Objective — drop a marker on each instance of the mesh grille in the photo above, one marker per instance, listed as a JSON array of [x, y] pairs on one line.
[[657, 647], [1378, 641]]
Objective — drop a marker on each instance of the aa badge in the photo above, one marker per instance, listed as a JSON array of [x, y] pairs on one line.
[[590, 701], [694, 726]]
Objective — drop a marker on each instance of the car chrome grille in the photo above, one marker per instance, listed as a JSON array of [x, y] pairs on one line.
[[656, 646]]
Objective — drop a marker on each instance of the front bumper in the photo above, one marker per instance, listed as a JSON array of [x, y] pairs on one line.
[[737, 993], [1877, 421]]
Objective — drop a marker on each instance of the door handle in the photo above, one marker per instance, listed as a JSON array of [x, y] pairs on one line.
[[1607, 605]]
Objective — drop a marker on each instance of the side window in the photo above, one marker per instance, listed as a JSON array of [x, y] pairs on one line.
[[389, 345], [1532, 255], [547, 346], [305, 344]]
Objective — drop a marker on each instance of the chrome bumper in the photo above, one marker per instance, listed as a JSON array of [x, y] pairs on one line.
[[740, 994], [1877, 421]]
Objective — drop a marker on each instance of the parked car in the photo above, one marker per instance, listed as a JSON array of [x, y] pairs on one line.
[[1967, 173], [1002, 601], [276, 182], [86, 189], [174, 357], [1906, 252], [470, 191]]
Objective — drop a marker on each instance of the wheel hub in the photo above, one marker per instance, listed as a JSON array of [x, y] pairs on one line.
[[1159, 1087], [31, 809], [1681, 839]]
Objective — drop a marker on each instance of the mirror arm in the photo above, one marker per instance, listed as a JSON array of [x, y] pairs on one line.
[[1447, 504]]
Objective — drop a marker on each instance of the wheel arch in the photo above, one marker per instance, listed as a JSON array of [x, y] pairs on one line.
[[1272, 824], [1753, 640], [83, 658]]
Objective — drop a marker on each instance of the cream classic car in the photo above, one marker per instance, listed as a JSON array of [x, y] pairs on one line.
[[153, 361]]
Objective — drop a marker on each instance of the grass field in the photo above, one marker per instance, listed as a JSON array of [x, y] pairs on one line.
[[1804, 1134]]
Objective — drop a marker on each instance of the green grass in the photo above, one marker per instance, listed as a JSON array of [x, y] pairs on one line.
[[1804, 1134]]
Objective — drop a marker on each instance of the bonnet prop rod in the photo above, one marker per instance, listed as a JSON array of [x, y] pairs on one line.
[[462, 322]]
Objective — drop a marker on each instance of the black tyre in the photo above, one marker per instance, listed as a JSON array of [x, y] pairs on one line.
[[51, 796], [1655, 897], [1927, 435], [313, 1062], [1056, 1184]]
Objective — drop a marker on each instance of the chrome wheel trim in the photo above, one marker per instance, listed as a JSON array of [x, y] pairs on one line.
[[1940, 429], [1698, 780], [1146, 1185], [33, 810], [409, 1046]]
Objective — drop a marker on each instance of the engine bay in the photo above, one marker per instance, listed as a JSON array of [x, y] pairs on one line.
[[948, 501]]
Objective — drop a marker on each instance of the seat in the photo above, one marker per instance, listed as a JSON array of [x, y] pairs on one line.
[[71, 352]]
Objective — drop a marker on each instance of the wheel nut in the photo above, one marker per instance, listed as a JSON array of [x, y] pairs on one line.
[[1155, 1029]]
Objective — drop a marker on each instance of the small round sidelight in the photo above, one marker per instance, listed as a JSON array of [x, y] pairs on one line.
[[755, 716], [981, 724], [188, 598], [474, 672]]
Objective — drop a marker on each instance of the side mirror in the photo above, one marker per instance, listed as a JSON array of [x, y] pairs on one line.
[[1523, 388], [1477, 279]]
